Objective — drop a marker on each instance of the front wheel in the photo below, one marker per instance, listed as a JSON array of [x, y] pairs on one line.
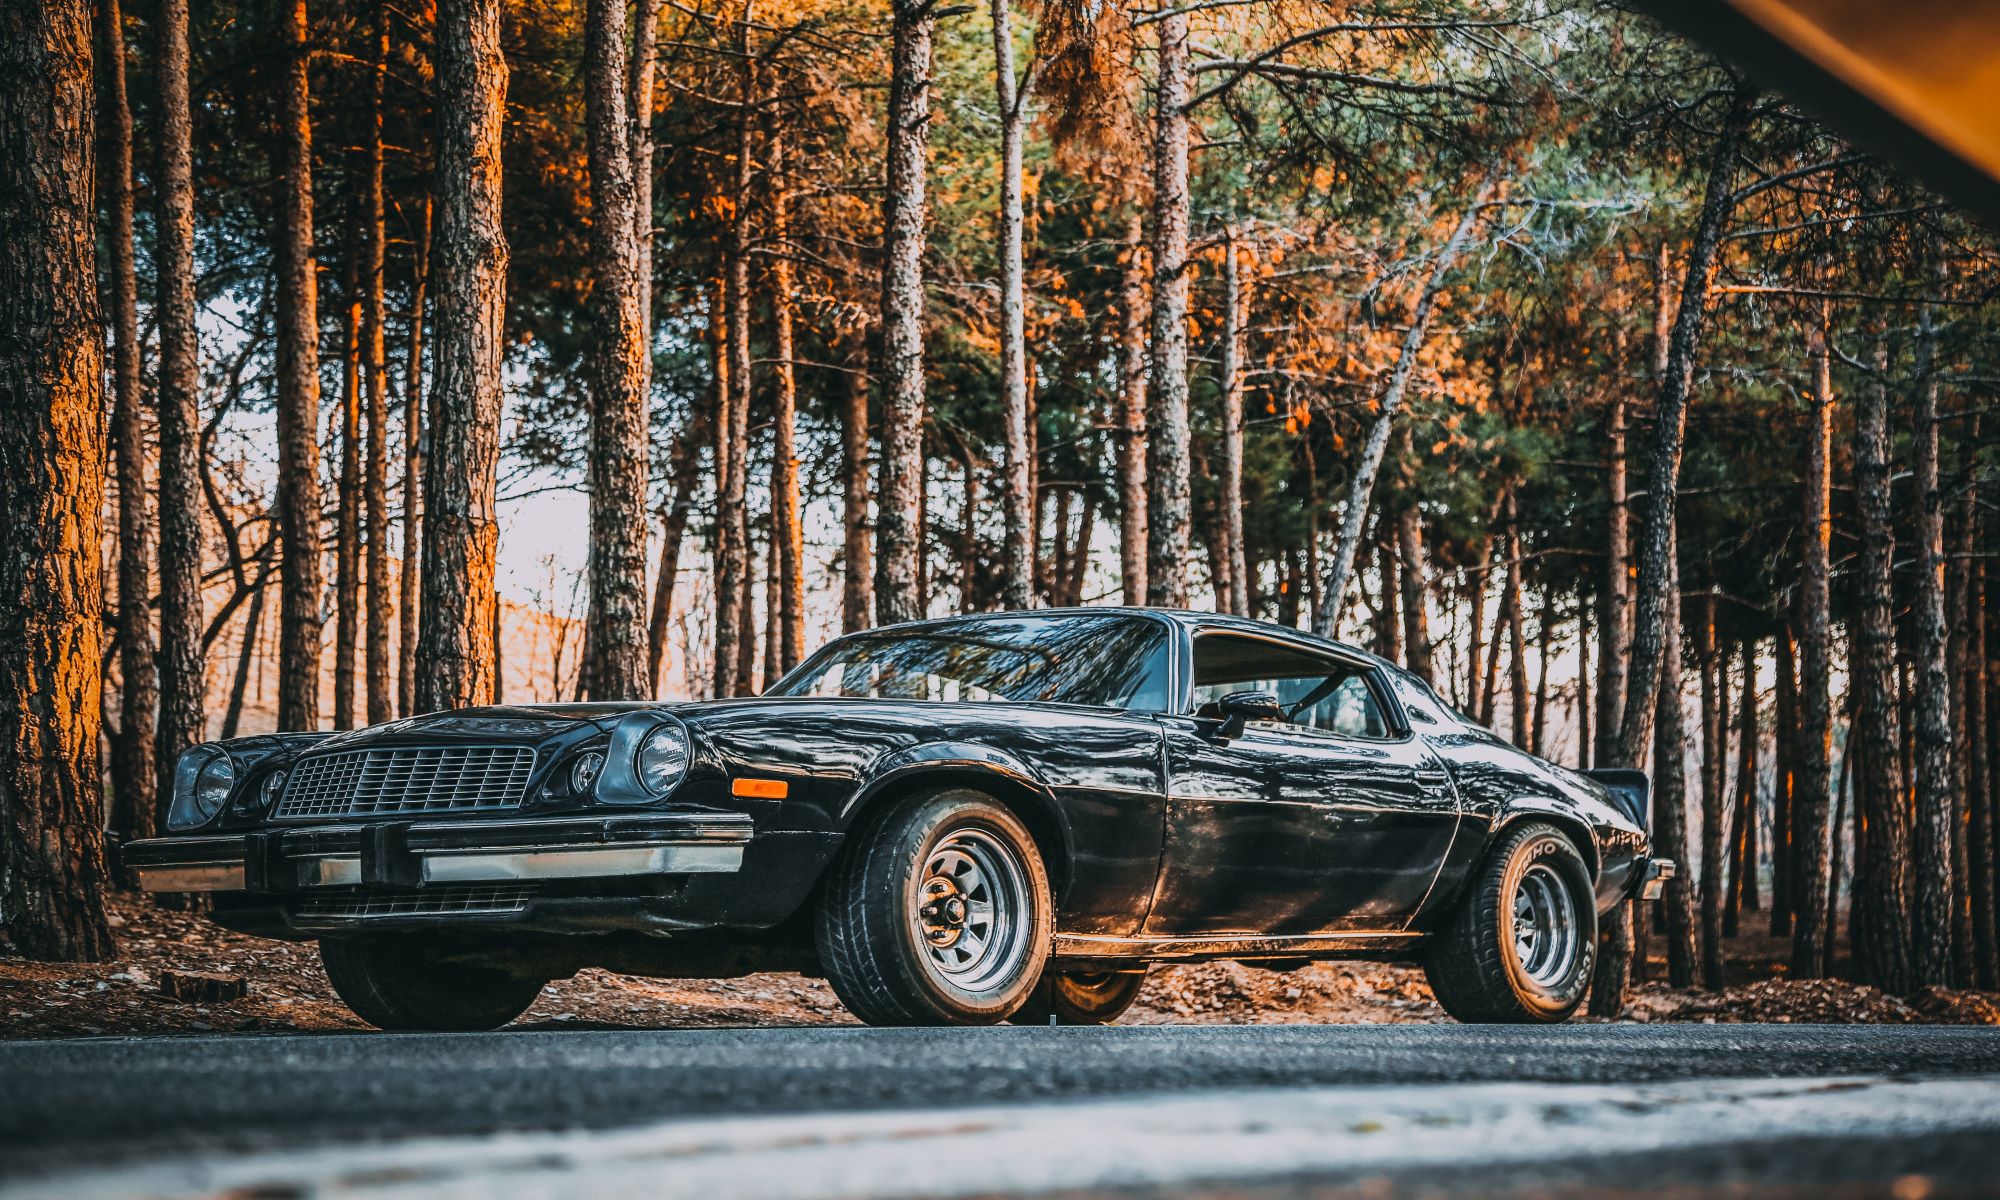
[[1521, 944], [402, 983], [937, 912], [1081, 997]]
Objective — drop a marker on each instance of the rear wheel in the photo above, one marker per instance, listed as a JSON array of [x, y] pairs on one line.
[[1521, 945], [936, 913], [1081, 997], [403, 983]]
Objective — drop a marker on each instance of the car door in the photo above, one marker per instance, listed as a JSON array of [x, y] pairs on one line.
[[1335, 820]]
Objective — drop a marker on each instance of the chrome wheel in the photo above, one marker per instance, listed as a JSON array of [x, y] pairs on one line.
[[971, 910], [1546, 936]]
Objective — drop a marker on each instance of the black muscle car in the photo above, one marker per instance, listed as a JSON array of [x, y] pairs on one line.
[[966, 820]]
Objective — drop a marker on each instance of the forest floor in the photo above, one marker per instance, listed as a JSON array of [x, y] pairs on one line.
[[283, 990]]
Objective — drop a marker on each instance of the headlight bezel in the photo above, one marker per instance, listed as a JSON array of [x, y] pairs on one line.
[[205, 777], [626, 780]]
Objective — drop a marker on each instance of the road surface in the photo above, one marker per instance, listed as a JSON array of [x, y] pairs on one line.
[[1259, 1111]]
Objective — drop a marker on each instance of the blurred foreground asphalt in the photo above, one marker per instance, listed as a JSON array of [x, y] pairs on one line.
[[1263, 1111]]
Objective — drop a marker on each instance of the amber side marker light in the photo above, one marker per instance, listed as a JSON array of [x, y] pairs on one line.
[[760, 789]]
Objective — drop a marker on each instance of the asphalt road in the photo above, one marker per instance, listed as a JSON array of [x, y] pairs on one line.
[[1873, 1095]]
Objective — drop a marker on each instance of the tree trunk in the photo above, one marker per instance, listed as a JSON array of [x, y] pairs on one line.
[[1416, 594], [685, 459], [374, 356], [1670, 794], [857, 577], [1231, 386], [1168, 489], [1545, 639], [347, 505], [1812, 800], [135, 809], [1785, 744], [52, 872], [455, 628], [899, 530], [1743, 891], [1883, 869], [1714, 679], [183, 690], [1969, 719], [1363, 485], [787, 533], [298, 389], [1614, 618], [413, 474], [1131, 426], [1936, 805], [1517, 642], [1017, 590], [1669, 433], [615, 636], [1388, 624]]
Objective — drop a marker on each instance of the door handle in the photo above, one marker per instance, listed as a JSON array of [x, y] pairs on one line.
[[1433, 778]]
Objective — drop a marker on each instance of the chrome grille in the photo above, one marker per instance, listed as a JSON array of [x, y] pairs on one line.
[[360, 783], [456, 899]]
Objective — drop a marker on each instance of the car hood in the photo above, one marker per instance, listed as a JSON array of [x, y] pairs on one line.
[[493, 723]]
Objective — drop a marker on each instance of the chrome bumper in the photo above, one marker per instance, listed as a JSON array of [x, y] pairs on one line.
[[405, 854], [1654, 880]]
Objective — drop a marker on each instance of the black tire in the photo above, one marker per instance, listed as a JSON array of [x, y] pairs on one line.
[[400, 983], [889, 936], [1481, 971], [1080, 997]]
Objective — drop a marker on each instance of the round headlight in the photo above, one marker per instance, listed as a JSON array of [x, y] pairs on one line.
[[663, 757], [583, 772], [274, 787], [203, 779], [212, 787]]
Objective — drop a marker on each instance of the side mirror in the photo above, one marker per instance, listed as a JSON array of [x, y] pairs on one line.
[[1240, 708]]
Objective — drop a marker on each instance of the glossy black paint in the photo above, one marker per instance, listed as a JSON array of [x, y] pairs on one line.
[[1155, 825]]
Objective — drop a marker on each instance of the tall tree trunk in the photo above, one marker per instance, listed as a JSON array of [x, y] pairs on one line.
[[1010, 95], [1969, 718], [298, 390], [1131, 425], [639, 100], [857, 577], [1883, 871], [1232, 430], [347, 503], [1936, 805], [732, 555], [1614, 618], [1670, 794], [1545, 637], [1363, 486], [899, 530], [1714, 679], [1669, 434], [135, 809], [1169, 492], [615, 636], [52, 872], [1416, 594], [1785, 746], [375, 361], [459, 611], [684, 462], [1517, 642], [183, 688], [787, 533], [1743, 838], [1812, 800], [413, 474], [1388, 625]]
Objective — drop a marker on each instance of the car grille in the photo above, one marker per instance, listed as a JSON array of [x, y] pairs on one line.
[[457, 899], [359, 783]]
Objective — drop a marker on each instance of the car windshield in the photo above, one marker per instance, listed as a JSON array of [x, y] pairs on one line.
[[1110, 661]]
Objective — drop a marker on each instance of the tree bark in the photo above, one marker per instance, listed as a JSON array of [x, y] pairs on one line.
[[1416, 594], [52, 872], [787, 532], [1017, 591], [1935, 797], [731, 561], [1614, 618], [1232, 430], [1883, 873], [1169, 492], [1670, 794], [615, 638], [347, 504], [1785, 744], [375, 363], [459, 611], [857, 587], [413, 474], [1714, 749], [1517, 642], [1131, 425], [135, 809], [1363, 485], [298, 390], [1669, 434], [183, 691], [899, 529], [1743, 891], [1969, 722], [1813, 799]]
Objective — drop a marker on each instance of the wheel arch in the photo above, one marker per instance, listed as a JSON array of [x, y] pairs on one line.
[[1004, 777], [1536, 809]]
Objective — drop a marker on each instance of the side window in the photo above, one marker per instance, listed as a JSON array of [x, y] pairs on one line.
[[1317, 692]]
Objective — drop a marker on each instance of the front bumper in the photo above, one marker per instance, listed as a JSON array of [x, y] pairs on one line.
[[413, 854]]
